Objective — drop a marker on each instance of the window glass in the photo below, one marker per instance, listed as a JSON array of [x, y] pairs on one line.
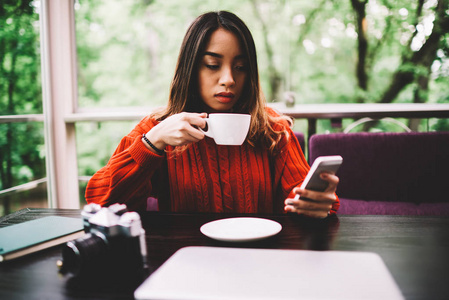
[[23, 161], [127, 50], [22, 154], [316, 51]]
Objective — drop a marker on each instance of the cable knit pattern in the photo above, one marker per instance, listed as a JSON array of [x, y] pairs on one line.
[[246, 177], [206, 177]]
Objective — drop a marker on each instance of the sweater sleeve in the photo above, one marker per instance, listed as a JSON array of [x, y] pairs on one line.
[[291, 166], [127, 176]]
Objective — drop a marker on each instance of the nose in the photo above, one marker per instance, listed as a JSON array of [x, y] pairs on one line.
[[227, 77]]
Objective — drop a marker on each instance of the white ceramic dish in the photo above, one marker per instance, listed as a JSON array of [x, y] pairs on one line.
[[241, 229]]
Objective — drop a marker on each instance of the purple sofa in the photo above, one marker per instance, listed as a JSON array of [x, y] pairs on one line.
[[389, 173]]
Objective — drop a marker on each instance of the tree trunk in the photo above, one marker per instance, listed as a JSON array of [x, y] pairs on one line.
[[362, 44]]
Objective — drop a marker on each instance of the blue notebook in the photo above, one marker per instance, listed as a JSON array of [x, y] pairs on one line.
[[35, 235]]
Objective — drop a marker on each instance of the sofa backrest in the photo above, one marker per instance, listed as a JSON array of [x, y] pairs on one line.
[[300, 137], [394, 167]]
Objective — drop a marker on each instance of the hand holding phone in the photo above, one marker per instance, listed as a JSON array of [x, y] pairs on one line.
[[313, 181]]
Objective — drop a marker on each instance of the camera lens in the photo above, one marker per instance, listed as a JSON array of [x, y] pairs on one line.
[[81, 254]]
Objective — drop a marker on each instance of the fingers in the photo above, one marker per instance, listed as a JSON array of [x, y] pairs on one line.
[[311, 208], [189, 124], [312, 203], [327, 197], [179, 129], [196, 120], [333, 181]]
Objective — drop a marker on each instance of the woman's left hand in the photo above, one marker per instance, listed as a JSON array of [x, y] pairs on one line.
[[311, 203]]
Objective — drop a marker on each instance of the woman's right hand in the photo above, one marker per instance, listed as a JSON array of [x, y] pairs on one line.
[[178, 130]]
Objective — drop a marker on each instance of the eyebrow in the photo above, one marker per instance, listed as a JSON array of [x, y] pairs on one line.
[[241, 56]]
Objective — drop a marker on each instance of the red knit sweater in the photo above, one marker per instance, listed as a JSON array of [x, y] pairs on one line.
[[206, 177]]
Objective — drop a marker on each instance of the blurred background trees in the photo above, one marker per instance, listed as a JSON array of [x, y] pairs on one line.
[[324, 51]]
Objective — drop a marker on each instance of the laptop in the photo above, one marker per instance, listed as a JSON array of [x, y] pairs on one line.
[[239, 273]]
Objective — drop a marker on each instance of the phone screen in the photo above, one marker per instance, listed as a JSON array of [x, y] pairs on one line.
[[329, 164]]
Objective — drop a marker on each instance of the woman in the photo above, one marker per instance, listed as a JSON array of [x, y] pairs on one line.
[[167, 157]]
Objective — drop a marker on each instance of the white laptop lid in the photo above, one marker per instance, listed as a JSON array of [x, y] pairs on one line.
[[235, 273]]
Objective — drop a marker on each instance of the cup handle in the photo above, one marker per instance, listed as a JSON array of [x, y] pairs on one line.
[[207, 132]]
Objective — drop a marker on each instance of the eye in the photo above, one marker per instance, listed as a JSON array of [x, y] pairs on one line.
[[212, 66], [241, 68]]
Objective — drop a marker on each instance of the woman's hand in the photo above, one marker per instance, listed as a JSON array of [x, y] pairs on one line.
[[311, 203], [178, 130]]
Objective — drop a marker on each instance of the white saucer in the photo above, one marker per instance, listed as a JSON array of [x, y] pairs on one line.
[[241, 229]]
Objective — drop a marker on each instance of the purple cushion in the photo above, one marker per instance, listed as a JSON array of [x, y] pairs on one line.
[[392, 167], [152, 204], [361, 207], [301, 140]]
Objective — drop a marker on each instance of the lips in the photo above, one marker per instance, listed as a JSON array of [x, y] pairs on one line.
[[224, 97]]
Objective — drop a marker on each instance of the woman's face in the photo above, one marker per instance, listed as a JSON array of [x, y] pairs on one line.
[[222, 72]]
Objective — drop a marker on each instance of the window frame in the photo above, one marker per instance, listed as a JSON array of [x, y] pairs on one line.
[[59, 88]]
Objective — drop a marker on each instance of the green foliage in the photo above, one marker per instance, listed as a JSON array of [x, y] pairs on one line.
[[311, 46], [20, 91], [23, 155], [21, 144]]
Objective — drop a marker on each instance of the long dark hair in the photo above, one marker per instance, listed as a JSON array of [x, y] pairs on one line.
[[184, 90]]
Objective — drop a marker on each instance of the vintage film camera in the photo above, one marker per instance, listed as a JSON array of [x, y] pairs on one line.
[[114, 244]]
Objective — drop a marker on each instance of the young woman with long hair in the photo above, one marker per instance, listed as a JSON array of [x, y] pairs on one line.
[[167, 157]]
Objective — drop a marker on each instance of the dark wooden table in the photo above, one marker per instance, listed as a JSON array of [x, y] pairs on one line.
[[415, 250]]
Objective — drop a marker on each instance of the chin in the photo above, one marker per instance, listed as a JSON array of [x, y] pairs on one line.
[[221, 108]]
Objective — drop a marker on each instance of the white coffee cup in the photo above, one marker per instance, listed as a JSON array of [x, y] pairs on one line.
[[227, 129]]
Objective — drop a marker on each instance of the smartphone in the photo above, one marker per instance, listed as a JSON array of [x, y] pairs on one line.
[[329, 164]]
